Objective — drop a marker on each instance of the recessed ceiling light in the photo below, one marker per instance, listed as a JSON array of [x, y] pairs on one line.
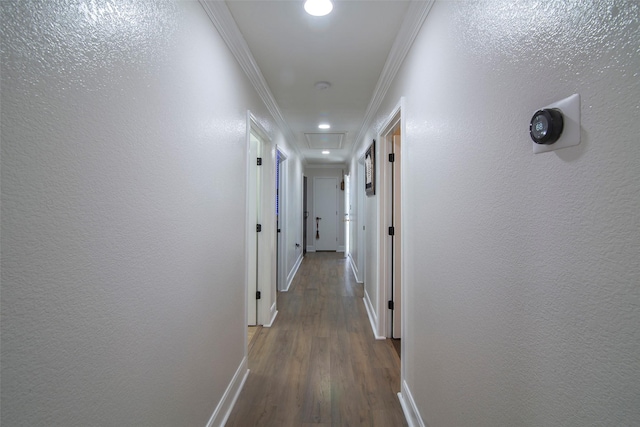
[[324, 126], [325, 151], [318, 7]]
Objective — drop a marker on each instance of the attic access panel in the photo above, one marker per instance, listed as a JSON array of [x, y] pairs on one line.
[[325, 140]]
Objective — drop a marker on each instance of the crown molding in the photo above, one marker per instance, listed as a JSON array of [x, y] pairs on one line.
[[414, 19], [223, 21]]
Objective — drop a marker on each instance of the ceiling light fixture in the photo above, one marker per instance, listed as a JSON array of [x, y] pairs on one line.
[[325, 151], [318, 7], [324, 126]]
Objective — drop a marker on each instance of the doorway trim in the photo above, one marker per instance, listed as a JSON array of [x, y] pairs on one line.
[[282, 235], [265, 270], [395, 120]]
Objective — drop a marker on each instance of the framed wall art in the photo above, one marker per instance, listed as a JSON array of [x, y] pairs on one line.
[[370, 170]]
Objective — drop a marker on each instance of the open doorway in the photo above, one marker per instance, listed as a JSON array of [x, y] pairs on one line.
[[281, 219], [261, 235], [254, 216], [391, 137]]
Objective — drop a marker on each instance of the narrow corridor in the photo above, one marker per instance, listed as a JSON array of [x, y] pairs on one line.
[[319, 364]]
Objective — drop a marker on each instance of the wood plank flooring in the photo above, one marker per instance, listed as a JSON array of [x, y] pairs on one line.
[[319, 365]]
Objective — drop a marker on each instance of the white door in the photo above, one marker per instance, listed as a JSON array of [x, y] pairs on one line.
[[397, 254], [254, 189], [325, 218], [281, 218]]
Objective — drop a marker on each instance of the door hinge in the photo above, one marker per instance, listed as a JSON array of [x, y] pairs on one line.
[[392, 231], [392, 157], [390, 305], [258, 228], [259, 161], [258, 295]]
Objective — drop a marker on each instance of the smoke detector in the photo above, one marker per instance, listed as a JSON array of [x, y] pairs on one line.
[[322, 85]]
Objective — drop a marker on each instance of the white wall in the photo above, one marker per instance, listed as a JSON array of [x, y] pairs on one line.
[[332, 172], [294, 219], [123, 213], [369, 237], [521, 270], [356, 231]]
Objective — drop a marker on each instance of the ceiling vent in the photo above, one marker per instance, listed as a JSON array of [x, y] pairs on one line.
[[325, 140]]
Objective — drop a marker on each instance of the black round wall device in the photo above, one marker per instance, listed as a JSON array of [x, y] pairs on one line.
[[546, 126]]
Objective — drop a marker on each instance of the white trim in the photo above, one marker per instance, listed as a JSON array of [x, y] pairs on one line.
[[413, 20], [340, 248], [395, 118], [283, 236], [272, 319], [225, 406], [372, 317], [292, 273], [253, 126], [409, 407], [354, 268], [223, 21], [311, 248], [247, 232]]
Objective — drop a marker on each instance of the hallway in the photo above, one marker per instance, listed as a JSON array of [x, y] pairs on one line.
[[319, 364]]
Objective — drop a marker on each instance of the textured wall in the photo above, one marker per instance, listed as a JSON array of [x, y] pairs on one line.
[[294, 212], [356, 247], [522, 273], [123, 200]]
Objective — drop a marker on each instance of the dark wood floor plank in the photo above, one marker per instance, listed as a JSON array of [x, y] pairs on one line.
[[319, 364]]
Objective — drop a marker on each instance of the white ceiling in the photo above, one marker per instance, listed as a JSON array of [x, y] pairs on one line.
[[293, 50]]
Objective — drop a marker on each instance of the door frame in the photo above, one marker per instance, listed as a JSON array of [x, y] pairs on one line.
[[282, 237], [394, 121], [265, 271]]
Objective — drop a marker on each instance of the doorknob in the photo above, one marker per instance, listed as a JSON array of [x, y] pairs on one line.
[[318, 218]]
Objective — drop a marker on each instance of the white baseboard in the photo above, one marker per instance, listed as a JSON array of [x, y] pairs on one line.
[[292, 273], [274, 313], [311, 248], [409, 407], [230, 396], [340, 249], [354, 269], [373, 319]]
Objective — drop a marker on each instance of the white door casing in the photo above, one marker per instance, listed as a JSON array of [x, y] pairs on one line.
[[282, 221], [260, 250], [397, 246], [253, 189]]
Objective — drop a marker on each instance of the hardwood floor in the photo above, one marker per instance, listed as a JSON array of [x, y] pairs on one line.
[[252, 334], [319, 365]]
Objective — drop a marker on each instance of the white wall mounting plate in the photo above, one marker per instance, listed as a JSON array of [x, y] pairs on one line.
[[570, 136]]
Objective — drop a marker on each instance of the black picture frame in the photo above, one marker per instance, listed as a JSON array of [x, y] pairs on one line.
[[370, 170]]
